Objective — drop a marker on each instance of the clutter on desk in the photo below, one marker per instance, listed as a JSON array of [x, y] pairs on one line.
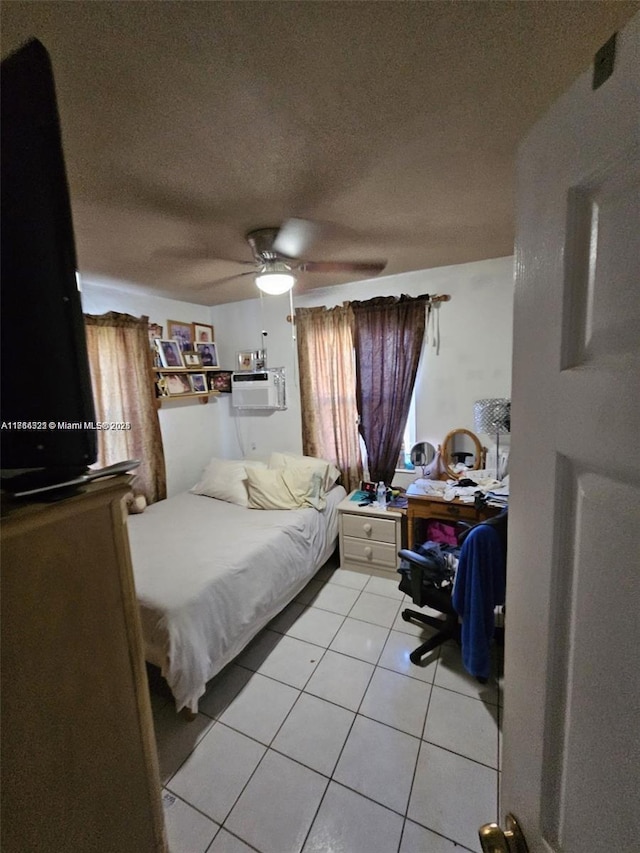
[[494, 492]]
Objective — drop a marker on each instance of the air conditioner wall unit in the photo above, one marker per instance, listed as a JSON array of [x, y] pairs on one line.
[[260, 389]]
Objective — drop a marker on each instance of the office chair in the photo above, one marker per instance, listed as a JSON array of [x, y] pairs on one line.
[[480, 586]]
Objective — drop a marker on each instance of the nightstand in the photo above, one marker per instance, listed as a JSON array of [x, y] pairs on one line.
[[370, 538]]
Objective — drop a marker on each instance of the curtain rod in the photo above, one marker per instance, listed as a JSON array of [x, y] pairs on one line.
[[442, 297]]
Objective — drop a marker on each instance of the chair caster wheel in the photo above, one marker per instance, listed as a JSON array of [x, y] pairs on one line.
[[406, 615], [414, 658]]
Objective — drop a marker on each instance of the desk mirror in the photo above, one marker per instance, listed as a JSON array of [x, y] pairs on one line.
[[462, 445], [422, 453]]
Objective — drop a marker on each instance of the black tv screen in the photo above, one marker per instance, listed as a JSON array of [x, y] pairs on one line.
[[46, 401]]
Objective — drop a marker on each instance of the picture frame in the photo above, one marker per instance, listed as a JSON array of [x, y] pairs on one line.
[[155, 331], [181, 332], [177, 384], [246, 360], [208, 352], [192, 358], [220, 380], [169, 352], [203, 333], [198, 383]]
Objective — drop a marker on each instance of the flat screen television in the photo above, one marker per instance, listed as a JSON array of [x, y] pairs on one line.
[[46, 400]]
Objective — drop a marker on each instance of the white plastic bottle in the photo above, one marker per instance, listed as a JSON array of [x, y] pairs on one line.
[[381, 495]]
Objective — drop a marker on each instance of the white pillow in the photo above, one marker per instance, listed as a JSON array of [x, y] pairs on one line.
[[284, 488], [327, 470], [226, 480]]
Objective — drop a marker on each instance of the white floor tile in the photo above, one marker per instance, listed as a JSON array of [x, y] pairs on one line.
[[188, 831], [396, 700], [212, 778], [360, 640], [316, 626], [285, 658], [176, 738], [395, 656], [260, 708], [348, 822], [278, 805], [378, 762], [340, 679], [453, 795], [464, 725], [384, 586], [450, 673], [227, 843], [375, 608], [336, 598], [314, 733], [223, 689], [346, 577], [417, 839]]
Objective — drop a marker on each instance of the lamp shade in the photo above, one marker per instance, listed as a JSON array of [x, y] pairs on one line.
[[275, 277], [492, 416]]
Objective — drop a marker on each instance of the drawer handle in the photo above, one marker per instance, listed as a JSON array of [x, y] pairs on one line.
[[453, 510], [368, 551], [366, 527]]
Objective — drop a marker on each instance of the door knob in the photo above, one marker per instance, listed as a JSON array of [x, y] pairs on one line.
[[495, 840]]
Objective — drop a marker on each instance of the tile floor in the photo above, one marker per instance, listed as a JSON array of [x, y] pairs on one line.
[[322, 736]]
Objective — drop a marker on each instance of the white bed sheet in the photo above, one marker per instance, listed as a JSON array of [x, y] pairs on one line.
[[210, 574]]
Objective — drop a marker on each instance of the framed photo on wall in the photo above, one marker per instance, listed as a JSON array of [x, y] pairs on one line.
[[208, 353], [247, 360], [177, 384], [198, 383], [182, 332], [192, 359], [202, 333], [169, 352], [155, 331]]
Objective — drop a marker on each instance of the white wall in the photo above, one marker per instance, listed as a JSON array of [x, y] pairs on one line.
[[191, 432], [474, 359]]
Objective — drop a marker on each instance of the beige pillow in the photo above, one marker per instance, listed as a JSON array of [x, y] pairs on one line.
[[284, 488], [226, 480], [327, 470]]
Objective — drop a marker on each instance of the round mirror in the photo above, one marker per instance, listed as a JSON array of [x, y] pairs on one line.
[[462, 445], [422, 453]]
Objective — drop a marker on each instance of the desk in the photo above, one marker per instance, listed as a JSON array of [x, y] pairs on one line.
[[431, 506]]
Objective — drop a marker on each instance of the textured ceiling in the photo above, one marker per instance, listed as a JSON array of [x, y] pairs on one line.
[[395, 124]]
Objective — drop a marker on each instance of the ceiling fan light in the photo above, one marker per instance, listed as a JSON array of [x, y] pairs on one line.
[[274, 283]]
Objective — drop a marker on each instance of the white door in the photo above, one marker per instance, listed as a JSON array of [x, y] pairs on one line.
[[571, 766]]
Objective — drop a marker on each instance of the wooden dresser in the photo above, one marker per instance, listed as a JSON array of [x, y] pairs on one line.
[[370, 538], [79, 764]]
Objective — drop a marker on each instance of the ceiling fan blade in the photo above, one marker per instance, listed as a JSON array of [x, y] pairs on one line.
[[294, 237], [181, 254], [224, 280], [370, 267]]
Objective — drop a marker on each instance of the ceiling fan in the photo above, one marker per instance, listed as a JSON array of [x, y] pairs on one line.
[[278, 257]]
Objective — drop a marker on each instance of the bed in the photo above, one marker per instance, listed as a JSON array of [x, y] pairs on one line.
[[210, 574]]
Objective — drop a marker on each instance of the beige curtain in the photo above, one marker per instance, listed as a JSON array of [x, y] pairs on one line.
[[328, 389], [120, 362]]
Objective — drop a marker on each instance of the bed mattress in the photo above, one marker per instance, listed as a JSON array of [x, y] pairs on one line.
[[210, 574]]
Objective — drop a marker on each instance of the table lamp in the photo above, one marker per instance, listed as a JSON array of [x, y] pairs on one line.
[[493, 416]]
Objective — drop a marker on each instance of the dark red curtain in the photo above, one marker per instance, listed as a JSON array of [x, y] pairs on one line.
[[388, 335]]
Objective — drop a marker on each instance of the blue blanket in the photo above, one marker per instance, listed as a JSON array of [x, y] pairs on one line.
[[479, 587]]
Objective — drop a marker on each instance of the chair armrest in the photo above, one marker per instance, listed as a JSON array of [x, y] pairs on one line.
[[414, 557]]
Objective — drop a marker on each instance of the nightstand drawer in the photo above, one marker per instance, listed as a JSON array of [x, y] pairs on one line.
[[371, 553], [367, 527]]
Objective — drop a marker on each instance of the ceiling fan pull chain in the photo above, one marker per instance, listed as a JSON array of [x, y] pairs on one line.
[[293, 340]]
